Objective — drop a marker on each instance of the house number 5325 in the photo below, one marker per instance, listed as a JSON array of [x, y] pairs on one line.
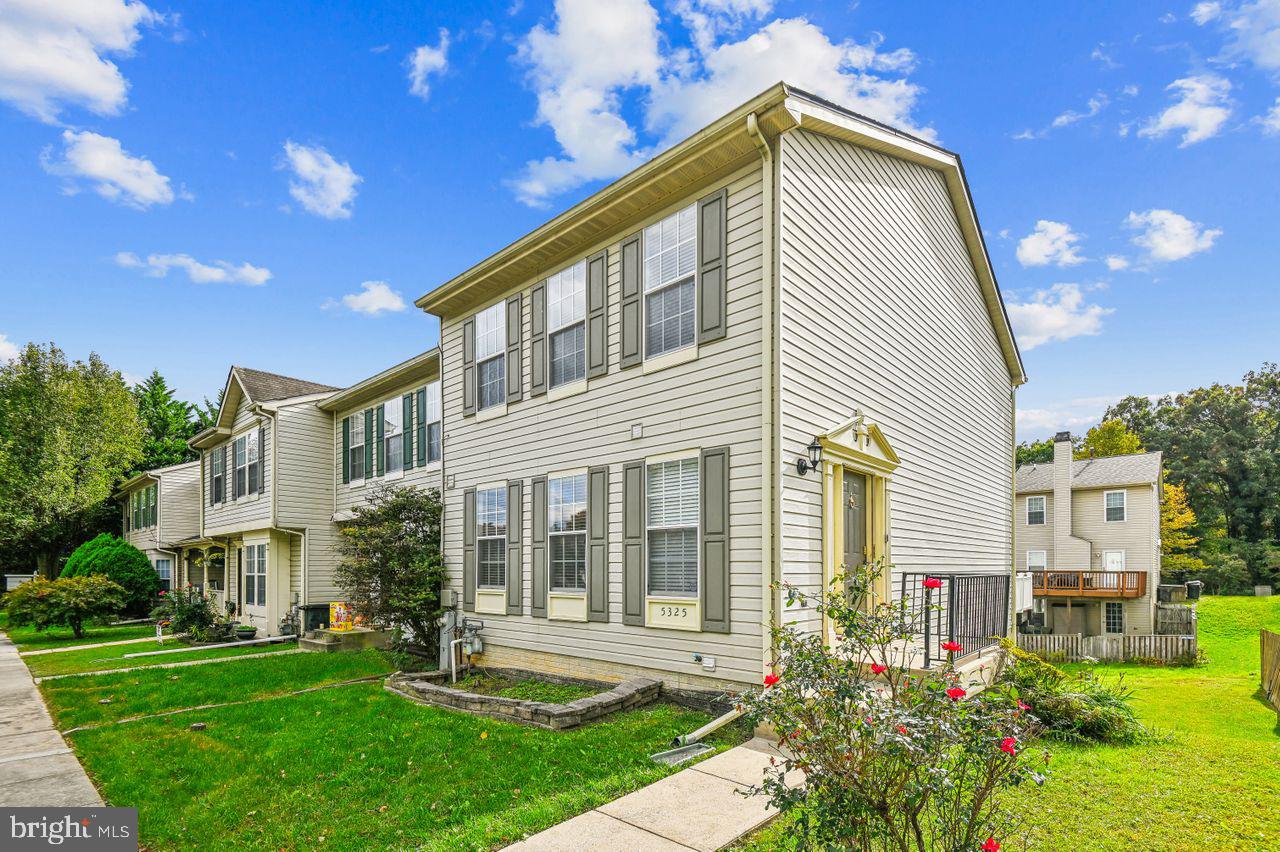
[[674, 612]]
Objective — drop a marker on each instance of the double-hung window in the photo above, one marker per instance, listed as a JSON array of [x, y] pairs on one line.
[[491, 538], [240, 464], [393, 436], [1114, 505], [491, 346], [432, 418], [218, 466], [566, 324], [255, 462], [152, 515], [355, 447], [255, 575], [670, 268], [135, 503], [1036, 560], [164, 569], [567, 531], [671, 494], [1035, 510]]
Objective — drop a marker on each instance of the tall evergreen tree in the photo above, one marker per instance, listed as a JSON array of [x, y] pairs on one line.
[[169, 423]]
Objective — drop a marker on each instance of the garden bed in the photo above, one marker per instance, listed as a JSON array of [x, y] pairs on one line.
[[529, 698]]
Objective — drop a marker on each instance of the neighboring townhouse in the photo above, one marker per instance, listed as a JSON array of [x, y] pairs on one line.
[[386, 432], [776, 349], [266, 533], [161, 508], [1088, 531]]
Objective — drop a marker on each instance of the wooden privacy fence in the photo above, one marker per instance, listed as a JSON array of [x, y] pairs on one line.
[[1073, 647], [1271, 667]]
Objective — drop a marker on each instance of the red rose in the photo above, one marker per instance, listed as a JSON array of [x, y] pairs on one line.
[[1022, 706], [878, 668], [951, 646], [1008, 745], [932, 583], [955, 693], [992, 845], [771, 679], [902, 729], [162, 593]]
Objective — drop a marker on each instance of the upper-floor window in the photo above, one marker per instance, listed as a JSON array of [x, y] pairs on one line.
[[670, 266], [142, 508], [491, 346], [218, 475], [491, 538], [566, 324], [1036, 560], [393, 436], [1035, 510], [1114, 503], [355, 448], [431, 417], [672, 494], [567, 531], [246, 465]]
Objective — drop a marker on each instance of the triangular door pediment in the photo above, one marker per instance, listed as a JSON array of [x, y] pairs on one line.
[[860, 441]]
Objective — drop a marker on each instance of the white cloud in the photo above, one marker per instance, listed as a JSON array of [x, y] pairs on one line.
[[1103, 57], [1130, 90], [1116, 263], [1271, 121], [425, 61], [1168, 236], [114, 173], [219, 272], [1203, 13], [1255, 33], [1095, 106], [375, 297], [1203, 105], [1070, 415], [53, 54], [1050, 243], [597, 55], [321, 184], [8, 349], [1059, 313]]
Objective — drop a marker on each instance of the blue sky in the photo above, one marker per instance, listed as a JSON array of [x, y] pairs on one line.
[[190, 185]]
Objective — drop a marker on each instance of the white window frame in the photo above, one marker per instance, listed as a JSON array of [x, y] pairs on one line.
[[582, 533], [648, 289], [433, 416], [501, 491], [253, 459], [1124, 505], [236, 467], [218, 466], [166, 575], [495, 347], [1044, 560], [255, 575], [570, 285], [650, 527], [1044, 510], [392, 408], [355, 420], [1107, 608]]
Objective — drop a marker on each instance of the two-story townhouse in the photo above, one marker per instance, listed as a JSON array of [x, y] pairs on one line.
[[161, 509], [774, 350], [266, 530], [1088, 532]]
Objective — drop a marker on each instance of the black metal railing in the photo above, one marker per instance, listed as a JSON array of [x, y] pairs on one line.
[[971, 609]]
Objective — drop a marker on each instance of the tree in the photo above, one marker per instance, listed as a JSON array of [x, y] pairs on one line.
[[65, 602], [1034, 452], [390, 565], [206, 414], [69, 431], [168, 422], [113, 557], [1177, 541], [1109, 438]]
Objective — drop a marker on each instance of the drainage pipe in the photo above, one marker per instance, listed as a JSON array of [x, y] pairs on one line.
[[453, 657], [707, 729]]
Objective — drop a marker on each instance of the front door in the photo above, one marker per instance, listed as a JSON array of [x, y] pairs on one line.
[[855, 520], [1113, 560]]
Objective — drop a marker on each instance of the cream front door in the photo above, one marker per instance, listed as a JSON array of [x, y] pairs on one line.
[[1113, 560]]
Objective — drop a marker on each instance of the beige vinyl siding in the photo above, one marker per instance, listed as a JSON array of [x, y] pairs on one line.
[[304, 495], [714, 400], [1037, 537], [1136, 536], [143, 538], [251, 511], [179, 502], [881, 312], [349, 496]]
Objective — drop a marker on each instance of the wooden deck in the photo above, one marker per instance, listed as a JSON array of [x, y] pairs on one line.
[[1089, 584]]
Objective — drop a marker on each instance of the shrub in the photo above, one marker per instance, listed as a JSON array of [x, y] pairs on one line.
[[123, 563], [65, 602], [189, 611], [893, 759]]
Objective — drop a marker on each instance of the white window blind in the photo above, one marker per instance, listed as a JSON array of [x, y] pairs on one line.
[[491, 538], [567, 530], [672, 496]]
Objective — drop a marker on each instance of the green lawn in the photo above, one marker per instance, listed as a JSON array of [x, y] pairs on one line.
[[1210, 781], [104, 659], [75, 701], [354, 766], [28, 639]]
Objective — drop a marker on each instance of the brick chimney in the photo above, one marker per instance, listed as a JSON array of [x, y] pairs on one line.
[[1069, 552]]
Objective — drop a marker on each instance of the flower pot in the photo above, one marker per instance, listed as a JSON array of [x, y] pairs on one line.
[[245, 632]]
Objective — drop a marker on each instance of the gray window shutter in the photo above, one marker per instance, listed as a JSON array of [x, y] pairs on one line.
[[262, 460], [406, 431], [515, 548], [368, 443], [346, 450], [633, 543], [422, 426], [598, 544], [715, 540], [538, 339], [228, 468], [597, 314], [380, 450], [539, 548], [515, 364], [632, 323], [469, 367], [208, 460], [469, 550], [712, 236]]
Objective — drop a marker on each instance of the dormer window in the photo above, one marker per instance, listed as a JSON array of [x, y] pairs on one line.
[[491, 345], [566, 324]]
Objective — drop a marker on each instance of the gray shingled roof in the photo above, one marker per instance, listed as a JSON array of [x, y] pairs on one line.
[[265, 387], [1094, 473]]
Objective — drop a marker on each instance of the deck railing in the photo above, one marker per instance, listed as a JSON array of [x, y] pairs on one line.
[[1089, 584], [971, 609]]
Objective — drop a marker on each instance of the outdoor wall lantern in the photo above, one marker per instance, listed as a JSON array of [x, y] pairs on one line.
[[804, 465]]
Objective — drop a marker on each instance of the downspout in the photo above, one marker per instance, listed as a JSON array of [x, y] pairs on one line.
[[1010, 625]]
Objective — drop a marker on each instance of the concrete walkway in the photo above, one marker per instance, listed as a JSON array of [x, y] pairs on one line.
[[700, 808], [36, 766], [96, 645]]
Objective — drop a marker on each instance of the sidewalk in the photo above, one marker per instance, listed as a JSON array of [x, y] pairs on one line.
[[699, 808], [36, 766]]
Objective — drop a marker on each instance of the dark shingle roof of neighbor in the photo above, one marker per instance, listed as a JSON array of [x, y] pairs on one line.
[[1094, 473], [265, 387]]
